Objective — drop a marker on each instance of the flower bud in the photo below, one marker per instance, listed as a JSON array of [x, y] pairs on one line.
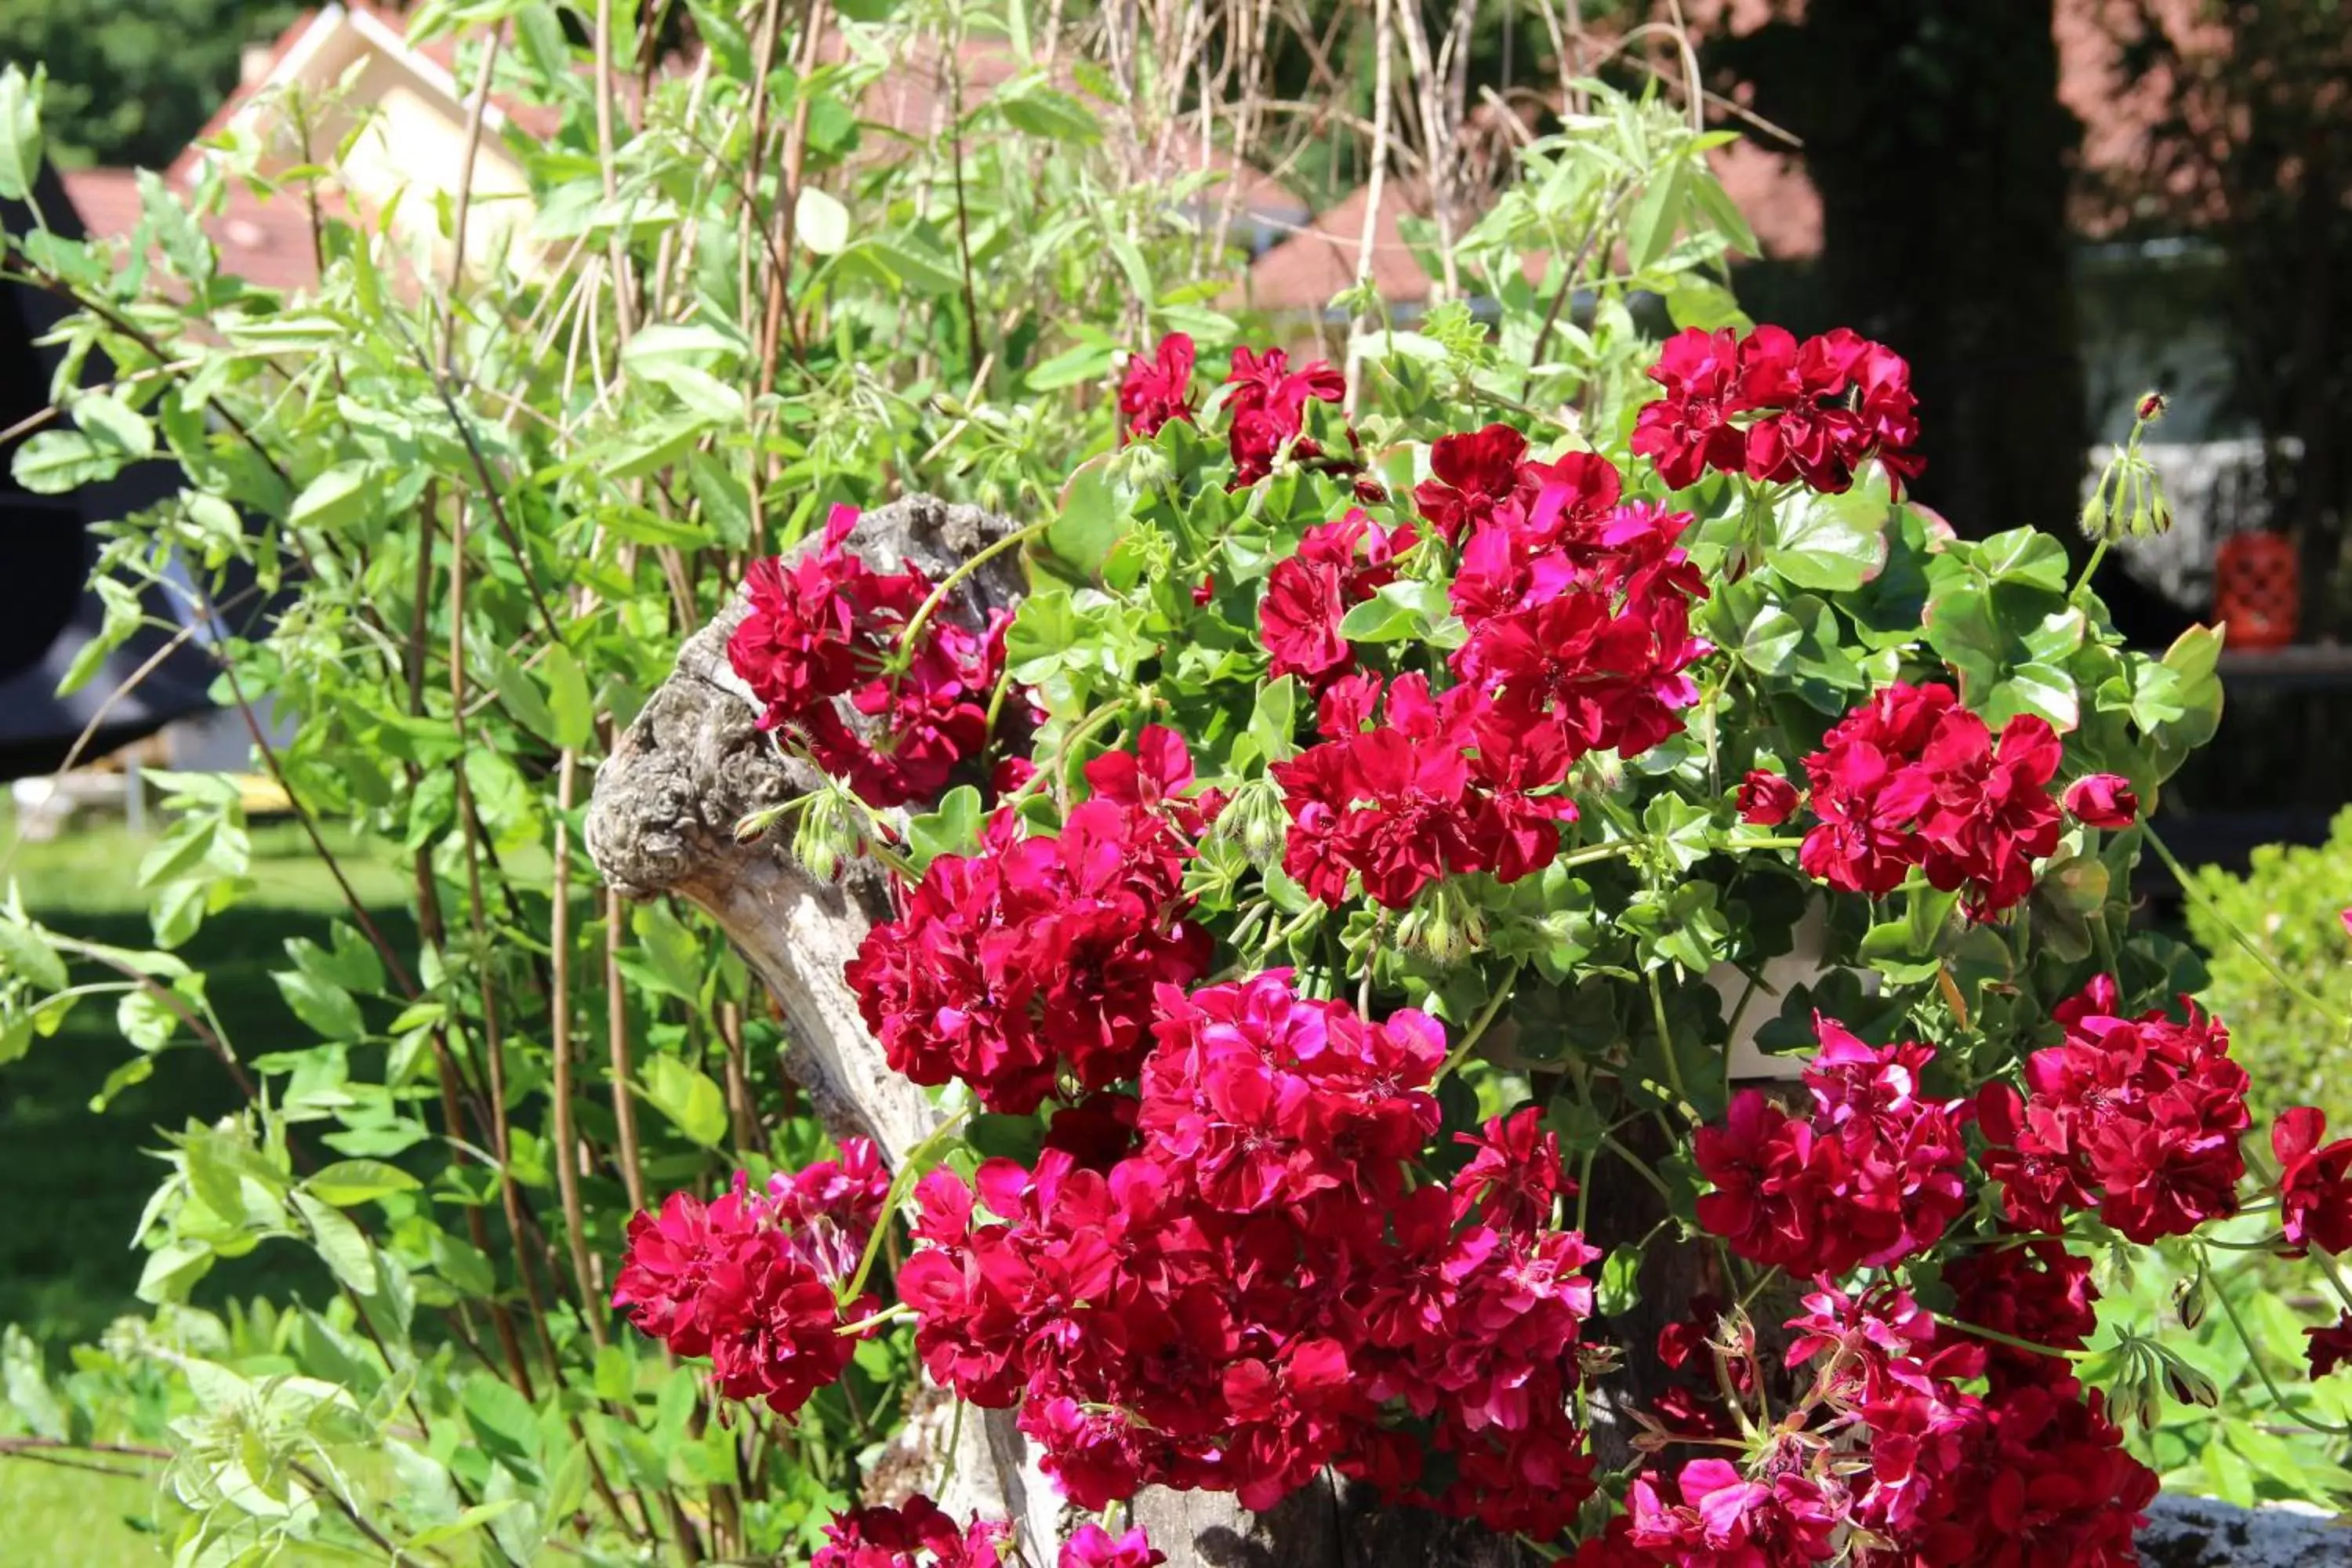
[[2151, 408], [830, 828], [1443, 923], [1256, 819], [2095, 511]]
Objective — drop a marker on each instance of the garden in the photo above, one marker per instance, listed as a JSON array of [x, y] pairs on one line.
[[917, 888]]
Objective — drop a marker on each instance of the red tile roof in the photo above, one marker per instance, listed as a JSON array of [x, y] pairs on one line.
[[1770, 185], [912, 97], [264, 240]]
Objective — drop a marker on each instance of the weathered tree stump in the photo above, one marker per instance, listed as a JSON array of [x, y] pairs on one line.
[[663, 820]]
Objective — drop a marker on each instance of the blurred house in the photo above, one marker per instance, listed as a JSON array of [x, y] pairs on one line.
[[2147, 312]]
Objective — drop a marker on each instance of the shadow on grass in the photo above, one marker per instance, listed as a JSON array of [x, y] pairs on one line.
[[79, 1179]]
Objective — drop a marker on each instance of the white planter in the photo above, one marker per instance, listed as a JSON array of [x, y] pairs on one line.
[[1803, 964]]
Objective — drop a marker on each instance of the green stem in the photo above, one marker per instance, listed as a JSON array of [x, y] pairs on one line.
[[1486, 1016], [1980, 1332], [1616, 1146], [897, 1312], [1667, 1040], [2255, 1358], [2198, 897], [899, 1182], [930, 606], [2090, 570]]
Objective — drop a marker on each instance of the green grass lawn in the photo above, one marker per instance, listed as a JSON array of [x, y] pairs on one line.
[[60, 1518], [78, 1178]]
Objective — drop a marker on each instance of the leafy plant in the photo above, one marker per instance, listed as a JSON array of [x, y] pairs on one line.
[[2287, 902], [1166, 902]]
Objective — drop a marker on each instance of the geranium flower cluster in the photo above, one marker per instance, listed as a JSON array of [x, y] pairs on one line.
[[1438, 787], [1577, 608], [751, 1279], [2315, 1181], [1890, 1456], [1576, 611], [1040, 955], [2139, 1118], [1260, 1289], [1909, 778], [1871, 1178], [1777, 410], [919, 1533], [1265, 403], [824, 626], [1336, 566]]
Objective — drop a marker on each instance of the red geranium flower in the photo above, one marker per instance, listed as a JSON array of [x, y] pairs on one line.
[[2331, 1346], [2103, 800], [1155, 390], [2140, 1114], [1777, 410], [2315, 1181], [917, 1534], [1092, 1546], [1767, 799]]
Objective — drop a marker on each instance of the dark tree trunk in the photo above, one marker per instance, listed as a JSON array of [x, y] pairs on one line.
[[1934, 133]]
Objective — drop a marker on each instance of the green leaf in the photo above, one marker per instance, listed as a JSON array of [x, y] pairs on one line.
[[173, 1270], [20, 132], [2034, 688], [953, 829], [180, 851], [571, 706], [322, 1003], [517, 692], [1651, 229], [339, 1243], [1833, 544], [501, 1419], [914, 260], [1091, 520], [1770, 640], [1621, 1282], [820, 221], [112, 422], [656, 449], [2024, 555], [348, 1182], [53, 462], [689, 1098], [673, 958], [144, 1021], [26, 954], [29, 1394], [466, 1523], [1274, 721], [461, 1263], [1087, 361], [177, 236], [339, 495], [1405, 608], [1892, 949], [1041, 111]]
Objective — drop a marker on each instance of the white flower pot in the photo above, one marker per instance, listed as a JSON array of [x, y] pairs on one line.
[[1806, 962]]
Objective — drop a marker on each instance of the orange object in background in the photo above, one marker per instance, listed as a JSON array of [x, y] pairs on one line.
[[2258, 588]]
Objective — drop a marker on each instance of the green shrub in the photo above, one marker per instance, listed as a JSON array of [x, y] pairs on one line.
[[2289, 903]]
